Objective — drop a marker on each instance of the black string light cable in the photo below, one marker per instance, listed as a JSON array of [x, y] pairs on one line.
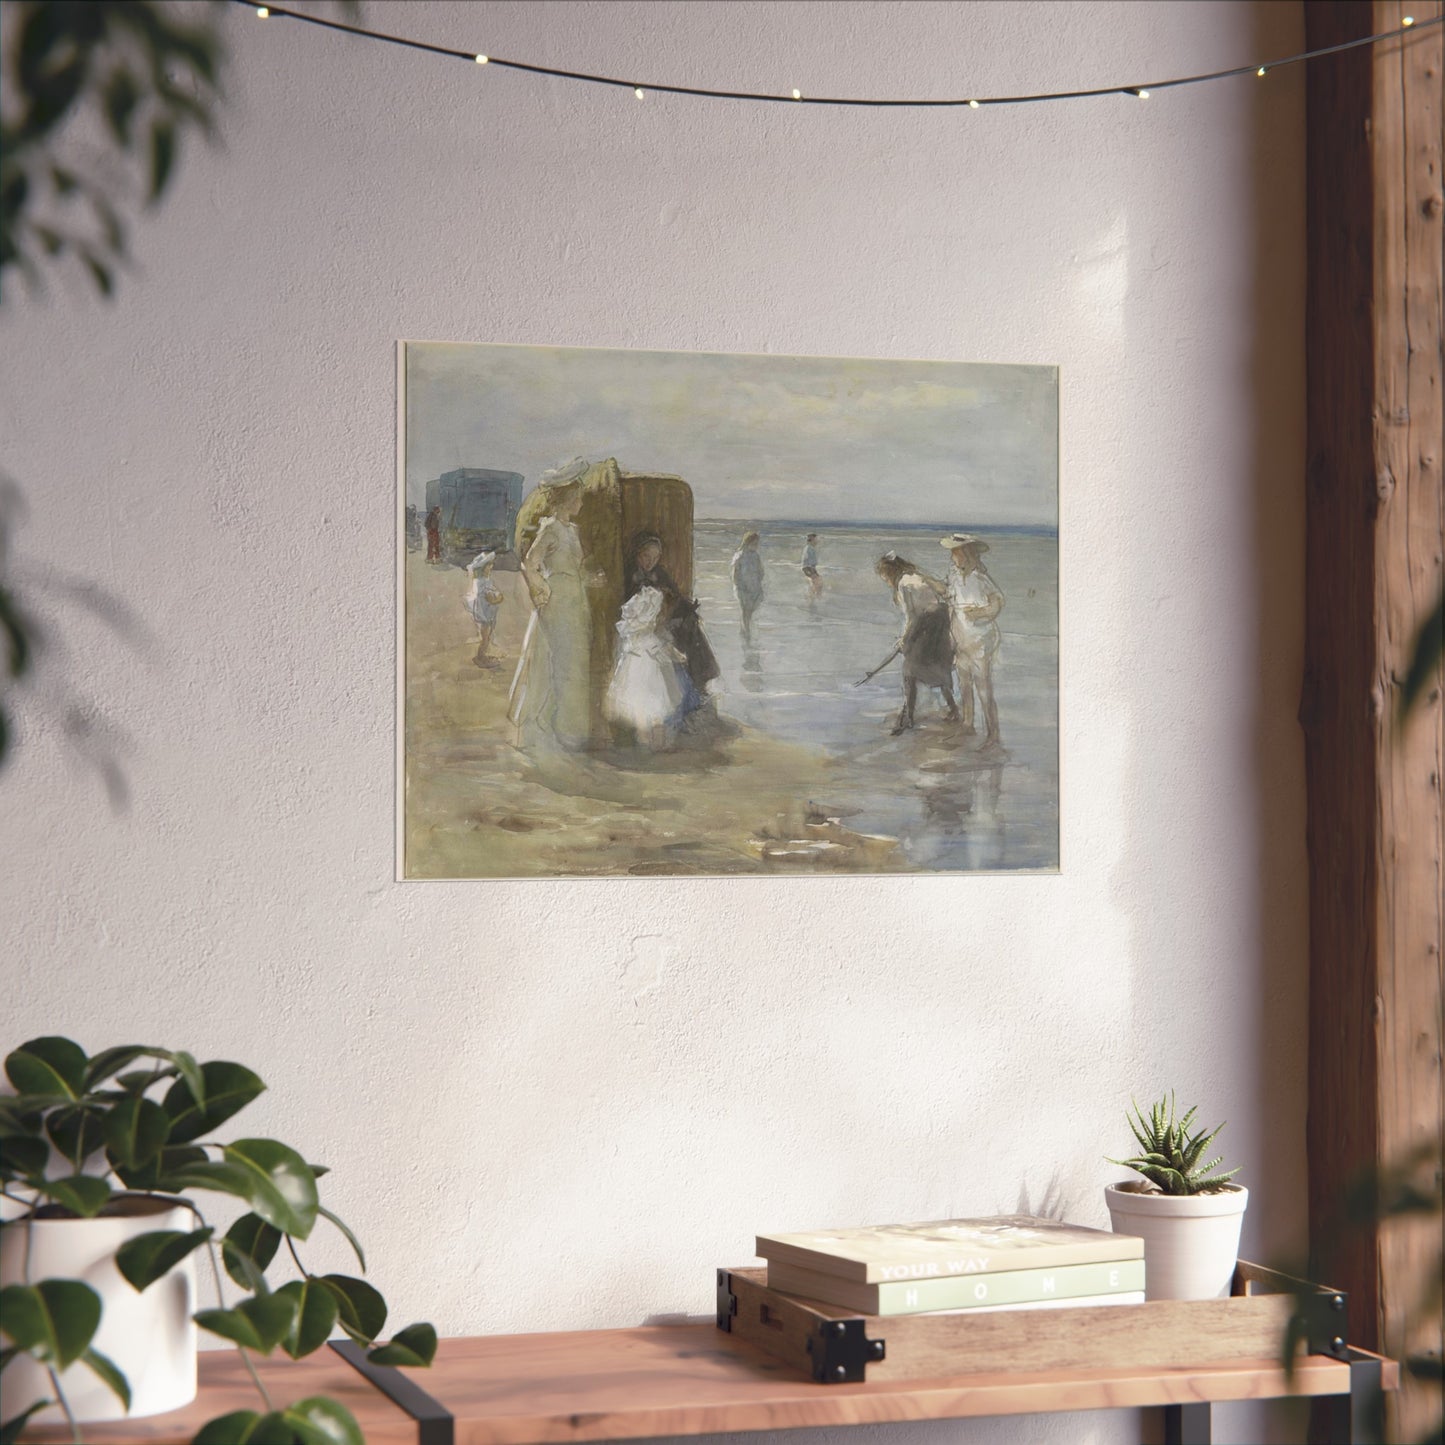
[[641, 88]]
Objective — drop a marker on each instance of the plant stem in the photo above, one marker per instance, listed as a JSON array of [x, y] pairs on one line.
[[221, 1301], [64, 1404]]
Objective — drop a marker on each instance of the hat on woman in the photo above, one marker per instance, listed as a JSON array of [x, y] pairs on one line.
[[563, 473], [963, 539]]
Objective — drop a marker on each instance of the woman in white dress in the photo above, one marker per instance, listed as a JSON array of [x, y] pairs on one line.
[[646, 690], [974, 603], [550, 697]]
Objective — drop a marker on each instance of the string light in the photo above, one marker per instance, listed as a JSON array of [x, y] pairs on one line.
[[1141, 91]]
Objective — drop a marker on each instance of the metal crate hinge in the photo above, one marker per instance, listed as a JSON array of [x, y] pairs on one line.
[[841, 1352], [727, 1301]]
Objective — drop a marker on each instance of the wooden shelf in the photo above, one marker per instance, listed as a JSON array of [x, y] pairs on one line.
[[690, 1380]]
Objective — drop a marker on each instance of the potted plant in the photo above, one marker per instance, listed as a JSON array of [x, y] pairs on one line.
[[1187, 1213], [102, 1229]]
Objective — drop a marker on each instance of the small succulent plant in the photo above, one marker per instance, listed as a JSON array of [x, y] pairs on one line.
[[1170, 1154]]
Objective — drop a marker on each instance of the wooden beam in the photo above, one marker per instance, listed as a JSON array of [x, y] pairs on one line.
[[1374, 546]]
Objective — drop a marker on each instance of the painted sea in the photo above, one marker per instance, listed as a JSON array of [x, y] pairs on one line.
[[951, 808]]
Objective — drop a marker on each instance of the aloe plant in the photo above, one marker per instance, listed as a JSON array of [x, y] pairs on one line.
[[1171, 1155], [81, 1131]]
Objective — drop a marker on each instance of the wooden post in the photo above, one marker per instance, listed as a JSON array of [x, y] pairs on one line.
[[1374, 545]]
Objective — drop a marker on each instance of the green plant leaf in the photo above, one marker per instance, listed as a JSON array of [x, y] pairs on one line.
[[107, 1370], [351, 1239], [316, 1311], [1425, 657], [415, 1345], [50, 1065], [282, 1187], [155, 1174], [149, 1257], [77, 1131], [205, 1173], [319, 1421], [83, 1194], [361, 1309], [227, 1089], [21, 1157], [163, 156], [11, 1430], [136, 1131], [245, 1427], [54, 1320], [259, 1323], [248, 1248], [111, 1061]]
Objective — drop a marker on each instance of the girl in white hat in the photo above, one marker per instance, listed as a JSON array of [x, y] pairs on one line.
[[482, 600]]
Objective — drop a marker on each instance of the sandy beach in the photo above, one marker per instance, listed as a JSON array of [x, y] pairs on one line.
[[477, 807], [794, 769]]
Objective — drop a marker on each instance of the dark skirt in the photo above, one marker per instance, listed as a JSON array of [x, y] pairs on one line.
[[928, 649]]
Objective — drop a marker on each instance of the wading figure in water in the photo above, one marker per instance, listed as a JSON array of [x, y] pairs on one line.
[[925, 643]]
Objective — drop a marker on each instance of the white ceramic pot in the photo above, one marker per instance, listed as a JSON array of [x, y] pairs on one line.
[[150, 1336], [1191, 1241]]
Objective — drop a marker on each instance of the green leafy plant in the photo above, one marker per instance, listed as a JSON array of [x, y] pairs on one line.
[[82, 1134], [1171, 1154]]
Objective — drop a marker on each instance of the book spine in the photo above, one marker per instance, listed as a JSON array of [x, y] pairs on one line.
[[1016, 1286], [1106, 1250]]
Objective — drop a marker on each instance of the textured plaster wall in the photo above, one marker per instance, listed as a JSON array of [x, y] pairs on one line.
[[554, 1105]]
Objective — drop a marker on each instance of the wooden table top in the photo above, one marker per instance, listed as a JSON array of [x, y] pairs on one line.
[[686, 1379]]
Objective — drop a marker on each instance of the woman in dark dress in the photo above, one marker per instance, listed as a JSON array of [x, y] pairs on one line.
[[925, 641], [679, 617]]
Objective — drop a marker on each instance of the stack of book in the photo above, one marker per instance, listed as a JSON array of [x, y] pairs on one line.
[[1012, 1261]]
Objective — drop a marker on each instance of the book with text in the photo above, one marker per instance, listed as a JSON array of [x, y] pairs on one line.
[[943, 1247], [961, 1292]]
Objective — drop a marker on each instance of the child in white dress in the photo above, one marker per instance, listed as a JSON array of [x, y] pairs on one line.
[[482, 600], [645, 692]]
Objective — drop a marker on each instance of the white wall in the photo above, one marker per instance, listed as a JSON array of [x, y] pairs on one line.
[[553, 1105]]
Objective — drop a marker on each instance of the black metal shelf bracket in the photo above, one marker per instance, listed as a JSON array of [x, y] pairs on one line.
[[841, 1352]]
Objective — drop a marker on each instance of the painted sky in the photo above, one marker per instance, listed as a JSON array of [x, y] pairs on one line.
[[803, 438]]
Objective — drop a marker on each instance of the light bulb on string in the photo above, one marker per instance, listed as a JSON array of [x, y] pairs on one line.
[[973, 105], [482, 59], [1408, 21], [1142, 94], [797, 95], [638, 92], [1262, 72], [262, 12]]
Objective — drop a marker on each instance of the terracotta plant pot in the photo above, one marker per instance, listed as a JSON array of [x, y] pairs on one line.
[[1191, 1241], [149, 1336]]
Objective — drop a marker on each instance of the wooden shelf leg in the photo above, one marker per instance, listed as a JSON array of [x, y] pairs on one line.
[[1187, 1424]]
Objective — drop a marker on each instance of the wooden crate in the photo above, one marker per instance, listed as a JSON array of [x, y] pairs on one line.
[[837, 1346]]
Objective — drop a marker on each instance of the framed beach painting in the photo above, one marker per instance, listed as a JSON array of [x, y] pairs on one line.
[[666, 613]]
